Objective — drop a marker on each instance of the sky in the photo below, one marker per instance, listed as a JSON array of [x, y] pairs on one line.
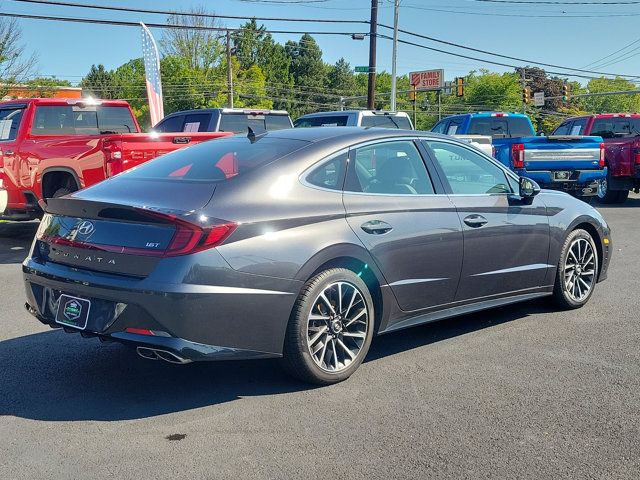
[[566, 35]]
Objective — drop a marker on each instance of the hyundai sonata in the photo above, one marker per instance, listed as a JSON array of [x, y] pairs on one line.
[[304, 244]]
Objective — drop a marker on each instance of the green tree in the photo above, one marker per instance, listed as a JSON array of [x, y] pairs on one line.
[[309, 74], [46, 86], [99, 82], [611, 103]]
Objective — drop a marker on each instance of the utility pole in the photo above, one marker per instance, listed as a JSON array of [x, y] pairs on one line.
[[394, 57], [229, 72], [373, 33], [524, 85]]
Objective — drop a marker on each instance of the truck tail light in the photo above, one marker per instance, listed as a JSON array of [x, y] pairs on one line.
[[113, 157], [517, 155], [1, 177], [602, 152]]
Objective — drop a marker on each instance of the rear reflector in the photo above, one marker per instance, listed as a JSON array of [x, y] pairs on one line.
[[139, 331], [517, 155]]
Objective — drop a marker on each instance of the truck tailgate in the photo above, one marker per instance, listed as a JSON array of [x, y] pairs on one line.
[[131, 149], [562, 152]]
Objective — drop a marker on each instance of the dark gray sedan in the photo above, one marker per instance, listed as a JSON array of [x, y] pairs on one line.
[[304, 244]]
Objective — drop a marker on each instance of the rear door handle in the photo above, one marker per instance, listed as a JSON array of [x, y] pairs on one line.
[[376, 227], [475, 221]]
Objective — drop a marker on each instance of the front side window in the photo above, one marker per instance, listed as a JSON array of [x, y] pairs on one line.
[[468, 172], [81, 120], [393, 168], [9, 122], [171, 124], [197, 122], [563, 129], [440, 127], [578, 127], [330, 174]]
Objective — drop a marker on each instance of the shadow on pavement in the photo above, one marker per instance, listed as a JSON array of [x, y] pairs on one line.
[[55, 376], [632, 202], [15, 240]]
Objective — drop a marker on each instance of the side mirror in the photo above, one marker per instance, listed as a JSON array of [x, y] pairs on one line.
[[528, 188]]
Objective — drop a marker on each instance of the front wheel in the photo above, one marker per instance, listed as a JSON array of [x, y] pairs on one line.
[[577, 271], [330, 328]]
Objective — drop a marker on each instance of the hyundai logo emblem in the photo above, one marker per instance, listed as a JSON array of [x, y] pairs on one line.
[[86, 228]]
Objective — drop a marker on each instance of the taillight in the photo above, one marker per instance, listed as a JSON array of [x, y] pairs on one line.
[[191, 238], [602, 152], [1, 177], [113, 154], [636, 156], [517, 155], [493, 151]]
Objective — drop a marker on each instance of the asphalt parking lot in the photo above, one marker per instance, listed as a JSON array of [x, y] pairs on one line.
[[516, 392]]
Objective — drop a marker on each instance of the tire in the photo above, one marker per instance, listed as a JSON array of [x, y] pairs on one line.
[[61, 192], [624, 194], [315, 347], [605, 194], [577, 270]]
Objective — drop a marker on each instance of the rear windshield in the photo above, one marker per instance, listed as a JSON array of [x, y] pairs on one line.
[[386, 121], [322, 121], [616, 127], [500, 127], [81, 120], [216, 160], [238, 122], [9, 122]]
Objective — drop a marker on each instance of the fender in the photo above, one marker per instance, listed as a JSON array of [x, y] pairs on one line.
[[73, 173]]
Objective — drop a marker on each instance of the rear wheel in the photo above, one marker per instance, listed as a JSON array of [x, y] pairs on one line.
[[606, 195], [330, 328], [577, 270]]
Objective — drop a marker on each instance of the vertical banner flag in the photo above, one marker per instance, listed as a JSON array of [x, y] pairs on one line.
[[152, 75]]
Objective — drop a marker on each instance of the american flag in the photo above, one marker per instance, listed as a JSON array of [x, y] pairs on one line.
[[152, 75]]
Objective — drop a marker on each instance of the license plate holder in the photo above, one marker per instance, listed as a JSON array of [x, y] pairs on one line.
[[73, 311], [562, 176]]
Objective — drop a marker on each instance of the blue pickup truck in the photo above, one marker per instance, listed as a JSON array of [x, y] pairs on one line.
[[571, 163]]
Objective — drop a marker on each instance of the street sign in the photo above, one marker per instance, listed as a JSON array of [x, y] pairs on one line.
[[362, 69], [427, 79], [538, 99]]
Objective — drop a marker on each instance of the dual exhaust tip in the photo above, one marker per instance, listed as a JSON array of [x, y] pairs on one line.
[[158, 354]]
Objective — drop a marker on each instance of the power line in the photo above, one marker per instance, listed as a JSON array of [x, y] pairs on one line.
[[124, 23], [185, 14], [554, 2], [560, 15], [486, 52], [611, 54]]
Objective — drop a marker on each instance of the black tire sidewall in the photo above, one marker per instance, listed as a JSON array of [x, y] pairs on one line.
[[296, 342], [559, 290]]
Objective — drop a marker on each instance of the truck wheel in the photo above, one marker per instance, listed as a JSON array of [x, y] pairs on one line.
[[577, 271], [605, 194], [622, 197]]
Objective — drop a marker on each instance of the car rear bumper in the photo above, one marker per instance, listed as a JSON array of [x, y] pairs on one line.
[[194, 322], [580, 182]]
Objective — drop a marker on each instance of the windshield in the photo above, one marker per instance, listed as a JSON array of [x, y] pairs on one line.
[[82, 120], [216, 160], [239, 122]]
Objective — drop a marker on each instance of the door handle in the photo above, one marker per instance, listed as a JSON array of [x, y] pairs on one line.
[[475, 221], [376, 227], [8, 152]]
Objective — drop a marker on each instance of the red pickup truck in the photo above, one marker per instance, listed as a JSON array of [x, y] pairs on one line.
[[50, 147], [621, 134]]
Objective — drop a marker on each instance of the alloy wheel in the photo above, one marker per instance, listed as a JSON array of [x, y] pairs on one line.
[[337, 326], [580, 270], [602, 188]]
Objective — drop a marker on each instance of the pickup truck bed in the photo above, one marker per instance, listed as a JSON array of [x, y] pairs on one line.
[[59, 149]]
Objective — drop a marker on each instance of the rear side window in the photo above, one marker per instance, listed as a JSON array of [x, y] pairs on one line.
[[9, 122], [217, 160], [386, 121], [392, 168], [170, 124], [81, 120], [197, 122], [322, 121], [330, 174]]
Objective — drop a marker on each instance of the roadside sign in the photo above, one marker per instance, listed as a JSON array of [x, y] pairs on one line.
[[362, 69], [538, 99], [427, 79]]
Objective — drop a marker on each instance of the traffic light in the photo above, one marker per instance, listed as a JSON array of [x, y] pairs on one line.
[[566, 92], [460, 87], [412, 93], [526, 95]]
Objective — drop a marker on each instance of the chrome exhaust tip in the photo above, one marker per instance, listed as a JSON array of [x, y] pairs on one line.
[[147, 353], [157, 354]]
